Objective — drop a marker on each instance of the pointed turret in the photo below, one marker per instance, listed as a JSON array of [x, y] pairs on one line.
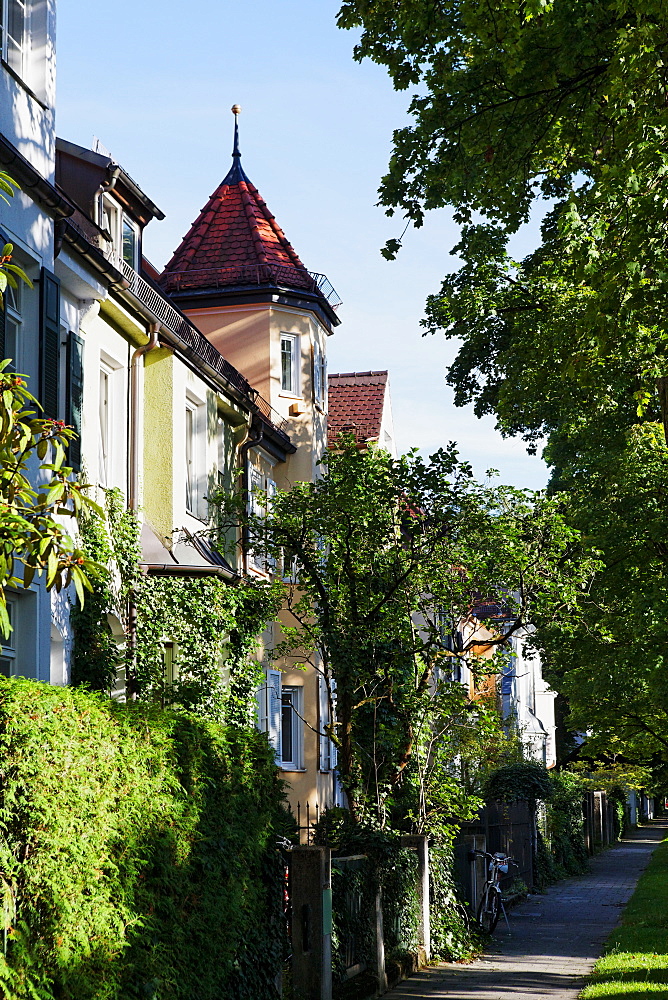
[[236, 243]]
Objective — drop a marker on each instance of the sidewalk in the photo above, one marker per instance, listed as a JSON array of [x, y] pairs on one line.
[[555, 938]]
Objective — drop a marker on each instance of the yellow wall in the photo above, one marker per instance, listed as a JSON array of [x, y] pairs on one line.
[[158, 480]]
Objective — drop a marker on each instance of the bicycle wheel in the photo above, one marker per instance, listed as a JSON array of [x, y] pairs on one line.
[[489, 909]]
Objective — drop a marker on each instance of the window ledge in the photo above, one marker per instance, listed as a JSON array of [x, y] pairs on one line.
[[26, 87], [293, 770], [290, 395]]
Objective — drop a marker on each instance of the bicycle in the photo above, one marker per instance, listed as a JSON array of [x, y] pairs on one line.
[[491, 904]]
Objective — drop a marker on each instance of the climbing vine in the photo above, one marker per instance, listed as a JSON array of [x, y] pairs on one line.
[[195, 639]]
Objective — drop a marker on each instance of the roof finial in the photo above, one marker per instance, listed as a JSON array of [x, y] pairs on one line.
[[236, 111]]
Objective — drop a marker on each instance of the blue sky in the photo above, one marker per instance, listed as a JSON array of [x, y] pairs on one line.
[[155, 85]]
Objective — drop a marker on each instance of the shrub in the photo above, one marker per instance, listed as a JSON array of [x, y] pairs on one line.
[[136, 852]]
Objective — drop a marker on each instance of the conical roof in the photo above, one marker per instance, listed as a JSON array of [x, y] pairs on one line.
[[235, 240]]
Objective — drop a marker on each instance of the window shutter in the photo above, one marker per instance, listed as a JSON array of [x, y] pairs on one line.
[[74, 400], [49, 342], [317, 375], [333, 752], [271, 493], [323, 720], [274, 706]]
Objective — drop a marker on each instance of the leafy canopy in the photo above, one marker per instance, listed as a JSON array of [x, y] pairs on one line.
[[564, 102]]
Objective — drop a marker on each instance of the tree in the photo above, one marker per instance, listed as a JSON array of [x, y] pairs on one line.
[[36, 487], [565, 102], [387, 564]]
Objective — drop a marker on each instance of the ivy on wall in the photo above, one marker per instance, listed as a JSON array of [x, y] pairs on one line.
[[210, 628]]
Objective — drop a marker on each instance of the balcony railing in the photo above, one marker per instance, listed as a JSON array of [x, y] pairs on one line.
[[192, 338], [254, 274]]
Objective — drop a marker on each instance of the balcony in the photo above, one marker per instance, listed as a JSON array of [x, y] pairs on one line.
[[254, 274]]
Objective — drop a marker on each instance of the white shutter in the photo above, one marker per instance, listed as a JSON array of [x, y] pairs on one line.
[[271, 493], [262, 713], [323, 720], [274, 705], [334, 753], [317, 375]]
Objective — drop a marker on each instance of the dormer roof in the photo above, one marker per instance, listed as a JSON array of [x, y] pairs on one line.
[[356, 402]]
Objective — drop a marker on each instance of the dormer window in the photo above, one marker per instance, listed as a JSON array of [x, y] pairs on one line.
[[130, 243], [123, 231]]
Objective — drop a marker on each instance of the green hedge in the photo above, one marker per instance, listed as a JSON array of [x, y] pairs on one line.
[[136, 852]]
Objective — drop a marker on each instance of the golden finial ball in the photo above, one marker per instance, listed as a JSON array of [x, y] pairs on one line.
[[236, 109]]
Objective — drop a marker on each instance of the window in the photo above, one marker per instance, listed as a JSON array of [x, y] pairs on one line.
[[280, 709], [191, 472], [319, 377], [15, 34], [261, 491], [8, 644], [290, 363], [130, 236], [104, 404], [13, 324], [291, 730]]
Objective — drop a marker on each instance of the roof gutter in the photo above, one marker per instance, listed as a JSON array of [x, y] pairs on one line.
[[31, 182]]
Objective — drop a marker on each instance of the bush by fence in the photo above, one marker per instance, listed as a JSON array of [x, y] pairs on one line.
[[136, 852]]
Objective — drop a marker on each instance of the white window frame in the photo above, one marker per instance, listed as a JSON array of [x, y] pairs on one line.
[[114, 433], [15, 55], [14, 317], [319, 377], [104, 423], [295, 696], [194, 456], [294, 388], [127, 221]]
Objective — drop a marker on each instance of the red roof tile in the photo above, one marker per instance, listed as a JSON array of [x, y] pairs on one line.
[[234, 240], [355, 404]]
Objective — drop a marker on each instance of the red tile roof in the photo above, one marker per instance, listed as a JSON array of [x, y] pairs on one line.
[[356, 401], [234, 240]]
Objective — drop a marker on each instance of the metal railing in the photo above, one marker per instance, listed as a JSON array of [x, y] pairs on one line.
[[255, 274], [193, 339]]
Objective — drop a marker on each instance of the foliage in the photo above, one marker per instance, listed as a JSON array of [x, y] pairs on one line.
[[451, 937], [566, 102], [385, 563], [31, 531], [98, 655], [635, 960], [137, 851], [527, 779], [9, 273], [213, 627]]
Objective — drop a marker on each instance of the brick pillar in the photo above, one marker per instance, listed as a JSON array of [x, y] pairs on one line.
[[421, 845], [311, 898]]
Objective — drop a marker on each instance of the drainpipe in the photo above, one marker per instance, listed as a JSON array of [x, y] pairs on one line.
[[249, 443], [107, 185], [133, 485]]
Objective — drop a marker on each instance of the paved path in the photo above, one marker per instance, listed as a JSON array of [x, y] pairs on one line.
[[555, 938]]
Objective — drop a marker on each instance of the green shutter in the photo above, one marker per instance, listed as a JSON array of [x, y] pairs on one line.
[[49, 343], [74, 400]]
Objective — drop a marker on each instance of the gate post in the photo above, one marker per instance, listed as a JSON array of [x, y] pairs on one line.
[[379, 941], [421, 846], [311, 897]]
